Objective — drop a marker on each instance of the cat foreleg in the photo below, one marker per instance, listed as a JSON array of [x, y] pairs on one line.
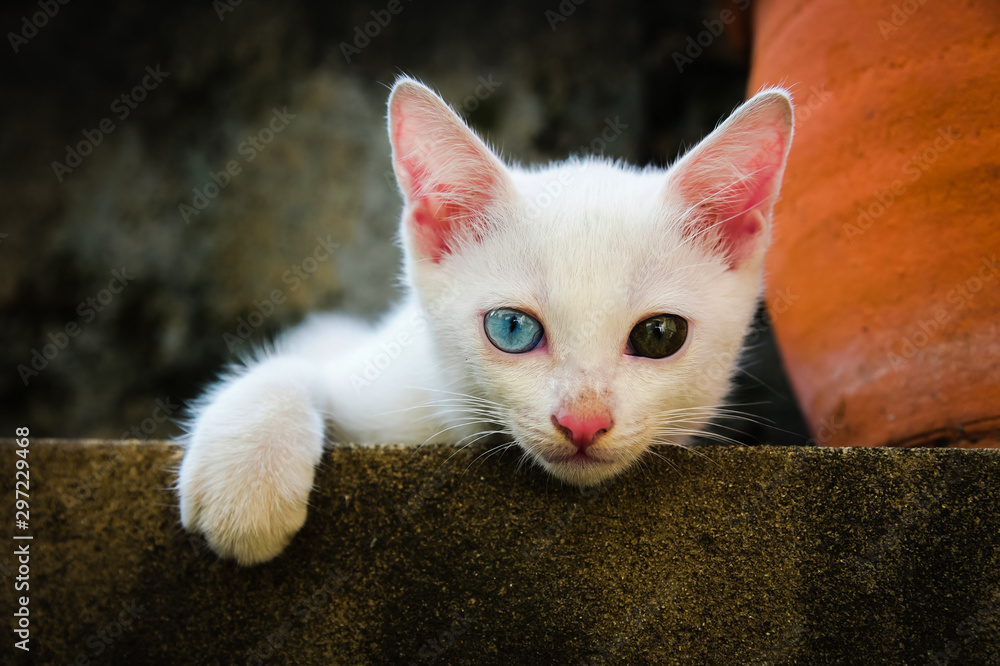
[[251, 452]]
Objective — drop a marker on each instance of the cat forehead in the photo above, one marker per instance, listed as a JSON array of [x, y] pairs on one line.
[[591, 234], [596, 209], [587, 183], [594, 213]]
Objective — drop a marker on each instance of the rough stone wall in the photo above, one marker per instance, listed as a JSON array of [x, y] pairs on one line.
[[762, 555]]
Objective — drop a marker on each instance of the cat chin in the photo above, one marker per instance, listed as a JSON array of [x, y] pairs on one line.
[[581, 471]]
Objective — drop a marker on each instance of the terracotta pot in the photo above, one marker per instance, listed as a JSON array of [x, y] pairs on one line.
[[884, 275]]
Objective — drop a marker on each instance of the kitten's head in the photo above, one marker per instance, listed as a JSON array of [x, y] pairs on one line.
[[593, 310]]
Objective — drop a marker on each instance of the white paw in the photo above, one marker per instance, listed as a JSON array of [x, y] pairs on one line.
[[246, 475]]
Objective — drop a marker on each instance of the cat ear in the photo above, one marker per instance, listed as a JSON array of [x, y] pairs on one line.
[[448, 176], [729, 182]]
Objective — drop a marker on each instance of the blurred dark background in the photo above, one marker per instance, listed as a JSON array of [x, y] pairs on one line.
[[117, 113]]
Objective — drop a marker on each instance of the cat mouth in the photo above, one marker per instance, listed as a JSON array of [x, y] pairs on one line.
[[578, 459], [581, 468]]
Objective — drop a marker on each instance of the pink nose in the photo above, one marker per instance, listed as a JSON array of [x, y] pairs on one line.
[[582, 430]]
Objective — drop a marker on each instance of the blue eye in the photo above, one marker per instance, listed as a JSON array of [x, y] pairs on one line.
[[512, 330]]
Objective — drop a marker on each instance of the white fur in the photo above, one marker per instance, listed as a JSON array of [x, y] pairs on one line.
[[589, 246]]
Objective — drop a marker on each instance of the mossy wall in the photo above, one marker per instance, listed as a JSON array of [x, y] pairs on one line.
[[734, 555]]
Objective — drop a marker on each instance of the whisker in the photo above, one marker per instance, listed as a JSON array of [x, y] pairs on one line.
[[486, 454], [662, 457], [452, 427], [689, 449], [455, 393], [691, 432]]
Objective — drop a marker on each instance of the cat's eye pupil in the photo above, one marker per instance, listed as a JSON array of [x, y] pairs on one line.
[[658, 337], [512, 331]]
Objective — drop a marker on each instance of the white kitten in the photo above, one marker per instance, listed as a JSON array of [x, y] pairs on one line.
[[585, 310]]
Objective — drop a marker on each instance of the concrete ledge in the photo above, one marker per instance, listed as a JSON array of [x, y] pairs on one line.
[[743, 555]]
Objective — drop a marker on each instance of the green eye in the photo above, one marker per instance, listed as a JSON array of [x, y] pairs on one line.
[[658, 337]]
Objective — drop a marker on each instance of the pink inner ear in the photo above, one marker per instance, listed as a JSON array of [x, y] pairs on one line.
[[436, 226], [439, 214], [733, 211], [448, 177]]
